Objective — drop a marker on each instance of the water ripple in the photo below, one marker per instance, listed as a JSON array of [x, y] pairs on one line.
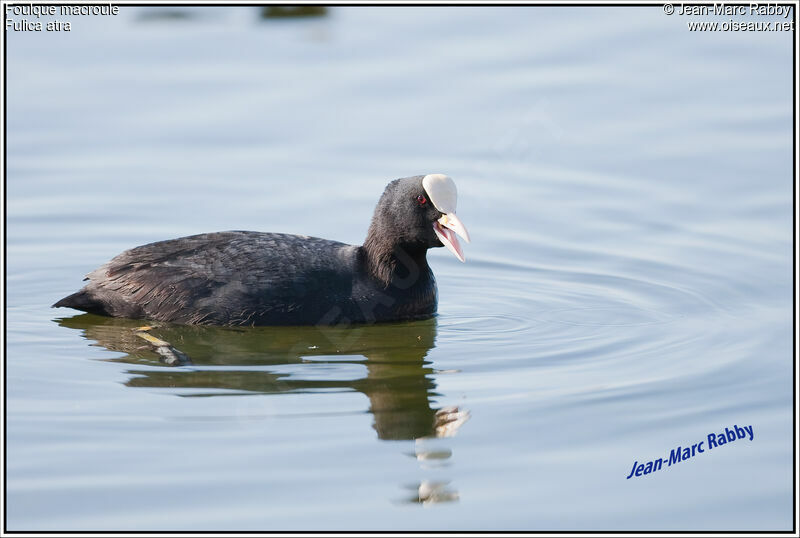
[[622, 316]]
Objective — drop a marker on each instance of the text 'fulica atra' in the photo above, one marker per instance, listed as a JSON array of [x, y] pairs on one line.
[[255, 278]]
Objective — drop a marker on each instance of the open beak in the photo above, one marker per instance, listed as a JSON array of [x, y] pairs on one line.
[[446, 229]]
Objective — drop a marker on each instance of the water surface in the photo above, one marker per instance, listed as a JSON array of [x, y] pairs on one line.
[[627, 185]]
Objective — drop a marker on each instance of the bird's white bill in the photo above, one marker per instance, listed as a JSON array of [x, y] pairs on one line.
[[450, 220], [446, 229]]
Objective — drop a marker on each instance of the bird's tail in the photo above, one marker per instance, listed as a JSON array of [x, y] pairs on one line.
[[81, 300]]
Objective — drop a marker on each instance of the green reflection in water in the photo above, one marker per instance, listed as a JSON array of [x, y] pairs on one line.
[[217, 361], [398, 379]]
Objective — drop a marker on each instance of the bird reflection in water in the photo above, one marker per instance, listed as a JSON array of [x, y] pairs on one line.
[[399, 382]]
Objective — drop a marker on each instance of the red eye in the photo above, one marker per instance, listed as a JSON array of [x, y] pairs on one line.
[[421, 200]]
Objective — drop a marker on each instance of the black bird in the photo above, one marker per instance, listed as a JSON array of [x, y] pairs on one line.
[[255, 278]]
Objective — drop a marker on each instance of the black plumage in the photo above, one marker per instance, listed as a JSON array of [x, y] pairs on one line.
[[255, 278]]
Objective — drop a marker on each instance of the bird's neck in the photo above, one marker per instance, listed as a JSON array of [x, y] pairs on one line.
[[394, 263]]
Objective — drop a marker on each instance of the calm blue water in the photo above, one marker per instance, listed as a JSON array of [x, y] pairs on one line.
[[628, 188]]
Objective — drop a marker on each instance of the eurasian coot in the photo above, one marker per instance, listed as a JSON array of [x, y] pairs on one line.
[[255, 278]]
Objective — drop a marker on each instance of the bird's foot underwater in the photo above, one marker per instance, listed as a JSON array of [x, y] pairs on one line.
[[169, 355]]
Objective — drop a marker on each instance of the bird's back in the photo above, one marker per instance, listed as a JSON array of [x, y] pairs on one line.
[[224, 278]]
